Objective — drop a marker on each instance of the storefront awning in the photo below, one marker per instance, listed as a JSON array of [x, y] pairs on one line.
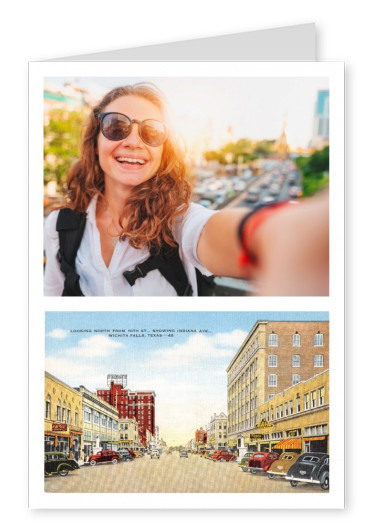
[[288, 444], [314, 438]]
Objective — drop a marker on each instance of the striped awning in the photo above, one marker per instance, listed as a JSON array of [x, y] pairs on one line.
[[289, 444]]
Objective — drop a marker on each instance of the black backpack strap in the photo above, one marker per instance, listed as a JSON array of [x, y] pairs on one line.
[[70, 225], [168, 262], [205, 284]]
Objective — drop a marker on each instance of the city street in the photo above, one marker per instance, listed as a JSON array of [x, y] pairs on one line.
[[170, 474]]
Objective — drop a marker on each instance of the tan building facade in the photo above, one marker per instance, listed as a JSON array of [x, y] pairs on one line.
[[62, 417], [128, 432], [296, 419], [275, 356], [100, 423], [217, 432]]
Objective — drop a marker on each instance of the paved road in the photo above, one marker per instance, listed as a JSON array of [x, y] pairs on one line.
[[170, 474]]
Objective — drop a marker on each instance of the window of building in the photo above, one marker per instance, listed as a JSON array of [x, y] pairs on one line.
[[306, 401], [291, 407], [321, 396], [297, 404], [96, 417], [295, 379], [109, 423], [272, 360], [296, 340], [271, 414], [273, 340], [318, 360], [103, 421], [58, 411], [48, 407], [63, 410], [114, 425], [68, 416], [318, 340], [76, 418], [313, 398], [87, 414], [272, 380], [296, 360], [286, 409]]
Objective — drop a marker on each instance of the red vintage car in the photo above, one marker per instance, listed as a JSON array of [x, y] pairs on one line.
[[105, 456], [222, 455], [261, 461]]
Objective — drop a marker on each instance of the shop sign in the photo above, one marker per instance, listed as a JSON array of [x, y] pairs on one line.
[[256, 436], [263, 424], [293, 433], [59, 427]]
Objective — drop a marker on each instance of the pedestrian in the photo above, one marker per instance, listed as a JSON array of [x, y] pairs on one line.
[[141, 234]]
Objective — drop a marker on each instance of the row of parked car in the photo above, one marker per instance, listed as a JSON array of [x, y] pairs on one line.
[[60, 463], [309, 467]]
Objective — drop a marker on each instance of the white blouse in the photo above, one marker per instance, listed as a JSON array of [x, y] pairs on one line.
[[98, 280]]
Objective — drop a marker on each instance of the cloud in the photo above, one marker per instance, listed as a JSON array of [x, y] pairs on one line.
[[97, 346], [58, 333], [198, 349]]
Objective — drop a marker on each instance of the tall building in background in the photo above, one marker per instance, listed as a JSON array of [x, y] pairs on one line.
[[320, 136], [131, 404]]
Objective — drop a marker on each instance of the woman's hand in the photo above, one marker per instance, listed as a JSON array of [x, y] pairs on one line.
[[291, 247]]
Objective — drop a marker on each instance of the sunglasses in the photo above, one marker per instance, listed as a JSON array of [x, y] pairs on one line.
[[117, 126]]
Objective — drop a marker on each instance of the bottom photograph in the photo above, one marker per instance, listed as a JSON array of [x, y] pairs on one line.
[[186, 402]]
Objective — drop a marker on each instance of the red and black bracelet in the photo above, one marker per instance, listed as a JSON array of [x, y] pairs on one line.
[[248, 225]]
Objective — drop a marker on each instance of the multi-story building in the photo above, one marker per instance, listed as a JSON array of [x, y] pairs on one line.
[[132, 404], [296, 419], [100, 422], [62, 417], [320, 136], [274, 356], [217, 431], [201, 437], [128, 432]]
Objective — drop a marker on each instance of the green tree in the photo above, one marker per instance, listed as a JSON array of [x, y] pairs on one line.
[[315, 170], [61, 143]]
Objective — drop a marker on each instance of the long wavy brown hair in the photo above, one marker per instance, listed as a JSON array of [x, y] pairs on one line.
[[153, 206]]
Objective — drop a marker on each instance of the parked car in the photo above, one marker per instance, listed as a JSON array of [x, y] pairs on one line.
[[183, 453], [209, 454], [222, 455], [125, 455], [310, 467], [105, 456], [244, 461], [58, 463], [132, 452], [261, 461], [282, 465], [154, 454]]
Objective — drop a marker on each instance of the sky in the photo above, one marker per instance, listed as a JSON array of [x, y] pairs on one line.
[[203, 109], [181, 356]]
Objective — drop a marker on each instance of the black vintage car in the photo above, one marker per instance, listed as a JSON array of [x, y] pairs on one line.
[[58, 463], [310, 467]]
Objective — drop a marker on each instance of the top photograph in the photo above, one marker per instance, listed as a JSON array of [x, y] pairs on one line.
[[186, 186]]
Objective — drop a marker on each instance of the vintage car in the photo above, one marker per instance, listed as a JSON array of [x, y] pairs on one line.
[[105, 456], [58, 463], [209, 454], [244, 461], [282, 465], [183, 453], [125, 455], [261, 461], [222, 455], [154, 454], [310, 467]]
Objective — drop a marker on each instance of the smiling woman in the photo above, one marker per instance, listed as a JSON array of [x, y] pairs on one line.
[[127, 226]]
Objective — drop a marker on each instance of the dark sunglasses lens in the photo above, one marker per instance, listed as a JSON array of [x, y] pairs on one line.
[[115, 126], [153, 132]]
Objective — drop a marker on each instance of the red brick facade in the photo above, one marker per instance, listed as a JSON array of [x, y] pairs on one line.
[[132, 404]]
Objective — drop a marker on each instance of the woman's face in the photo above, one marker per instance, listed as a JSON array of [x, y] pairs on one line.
[[129, 162]]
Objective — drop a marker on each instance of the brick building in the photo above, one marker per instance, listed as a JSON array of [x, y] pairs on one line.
[[139, 405], [275, 356]]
